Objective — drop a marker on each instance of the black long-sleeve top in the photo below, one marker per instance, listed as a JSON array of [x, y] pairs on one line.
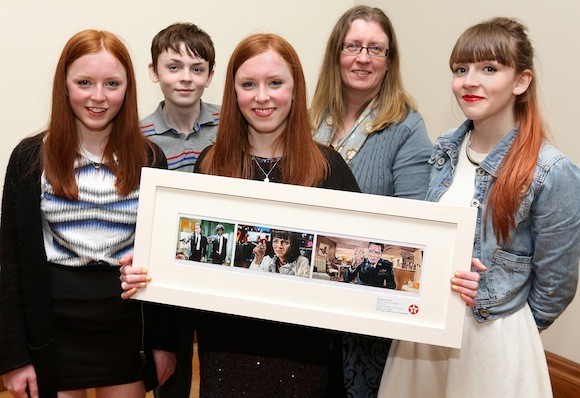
[[26, 328]]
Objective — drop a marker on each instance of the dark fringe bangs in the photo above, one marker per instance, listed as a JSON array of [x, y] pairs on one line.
[[483, 43]]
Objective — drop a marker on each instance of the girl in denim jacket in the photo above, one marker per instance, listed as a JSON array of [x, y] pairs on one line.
[[527, 231]]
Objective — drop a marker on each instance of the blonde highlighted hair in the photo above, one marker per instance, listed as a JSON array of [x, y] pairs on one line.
[[393, 102]]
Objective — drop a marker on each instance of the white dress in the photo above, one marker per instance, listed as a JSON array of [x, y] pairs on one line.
[[501, 358]]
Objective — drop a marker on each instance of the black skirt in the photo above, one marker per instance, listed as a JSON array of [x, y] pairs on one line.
[[98, 335], [258, 358]]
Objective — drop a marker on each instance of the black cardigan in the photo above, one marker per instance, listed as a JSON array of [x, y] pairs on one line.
[[25, 316]]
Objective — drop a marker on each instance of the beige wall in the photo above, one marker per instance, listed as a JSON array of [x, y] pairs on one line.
[[34, 31]]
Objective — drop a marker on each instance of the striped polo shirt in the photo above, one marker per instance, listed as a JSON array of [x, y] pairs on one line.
[[182, 150]]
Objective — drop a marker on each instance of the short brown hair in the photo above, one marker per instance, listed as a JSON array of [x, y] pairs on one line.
[[196, 41]]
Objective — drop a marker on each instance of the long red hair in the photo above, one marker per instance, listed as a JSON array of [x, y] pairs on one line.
[[505, 40], [303, 162], [126, 141]]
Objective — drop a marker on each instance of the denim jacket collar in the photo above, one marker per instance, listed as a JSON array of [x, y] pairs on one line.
[[450, 144]]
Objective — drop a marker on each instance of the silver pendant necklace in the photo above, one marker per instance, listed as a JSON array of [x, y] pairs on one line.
[[266, 175], [96, 165]]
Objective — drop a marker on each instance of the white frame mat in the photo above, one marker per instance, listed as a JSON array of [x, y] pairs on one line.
[[433, 315]]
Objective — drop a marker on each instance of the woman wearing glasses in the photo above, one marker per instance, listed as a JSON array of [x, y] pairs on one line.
[[361, 108]]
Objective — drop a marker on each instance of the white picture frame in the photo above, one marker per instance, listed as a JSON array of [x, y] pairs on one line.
[[443, 235]]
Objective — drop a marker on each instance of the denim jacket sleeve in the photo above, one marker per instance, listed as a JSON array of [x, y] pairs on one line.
[[556, 235]]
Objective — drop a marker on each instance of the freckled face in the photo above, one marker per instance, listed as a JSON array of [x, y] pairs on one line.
[[361, 74], [96, 85], [264, 89]]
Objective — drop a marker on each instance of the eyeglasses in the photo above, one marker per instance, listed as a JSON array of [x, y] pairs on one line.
[[372, 51]]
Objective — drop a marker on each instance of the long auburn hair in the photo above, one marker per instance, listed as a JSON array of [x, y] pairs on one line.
[[393, 101], [505, 40], [126, 142], [303, 162]]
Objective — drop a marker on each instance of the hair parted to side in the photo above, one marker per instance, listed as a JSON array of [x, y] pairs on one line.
[[303, 162], [393, 101], [126, 142], [197, 42], [505, 40]]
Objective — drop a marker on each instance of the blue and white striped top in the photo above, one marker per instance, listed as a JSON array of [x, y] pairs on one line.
[[99, 226]]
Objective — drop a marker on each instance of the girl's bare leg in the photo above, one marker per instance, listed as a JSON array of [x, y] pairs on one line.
[[131, 390]]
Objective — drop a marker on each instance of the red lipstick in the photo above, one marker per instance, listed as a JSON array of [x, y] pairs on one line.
[[471, 98]]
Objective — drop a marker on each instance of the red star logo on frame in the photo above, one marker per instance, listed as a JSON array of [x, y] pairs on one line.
[[413, 309]]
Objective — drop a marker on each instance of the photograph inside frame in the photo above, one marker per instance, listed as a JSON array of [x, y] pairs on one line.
[[270, 249], [204, 240], [369, 263]]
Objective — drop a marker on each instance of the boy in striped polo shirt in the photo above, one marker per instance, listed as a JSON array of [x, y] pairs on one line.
[[183, 58]]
